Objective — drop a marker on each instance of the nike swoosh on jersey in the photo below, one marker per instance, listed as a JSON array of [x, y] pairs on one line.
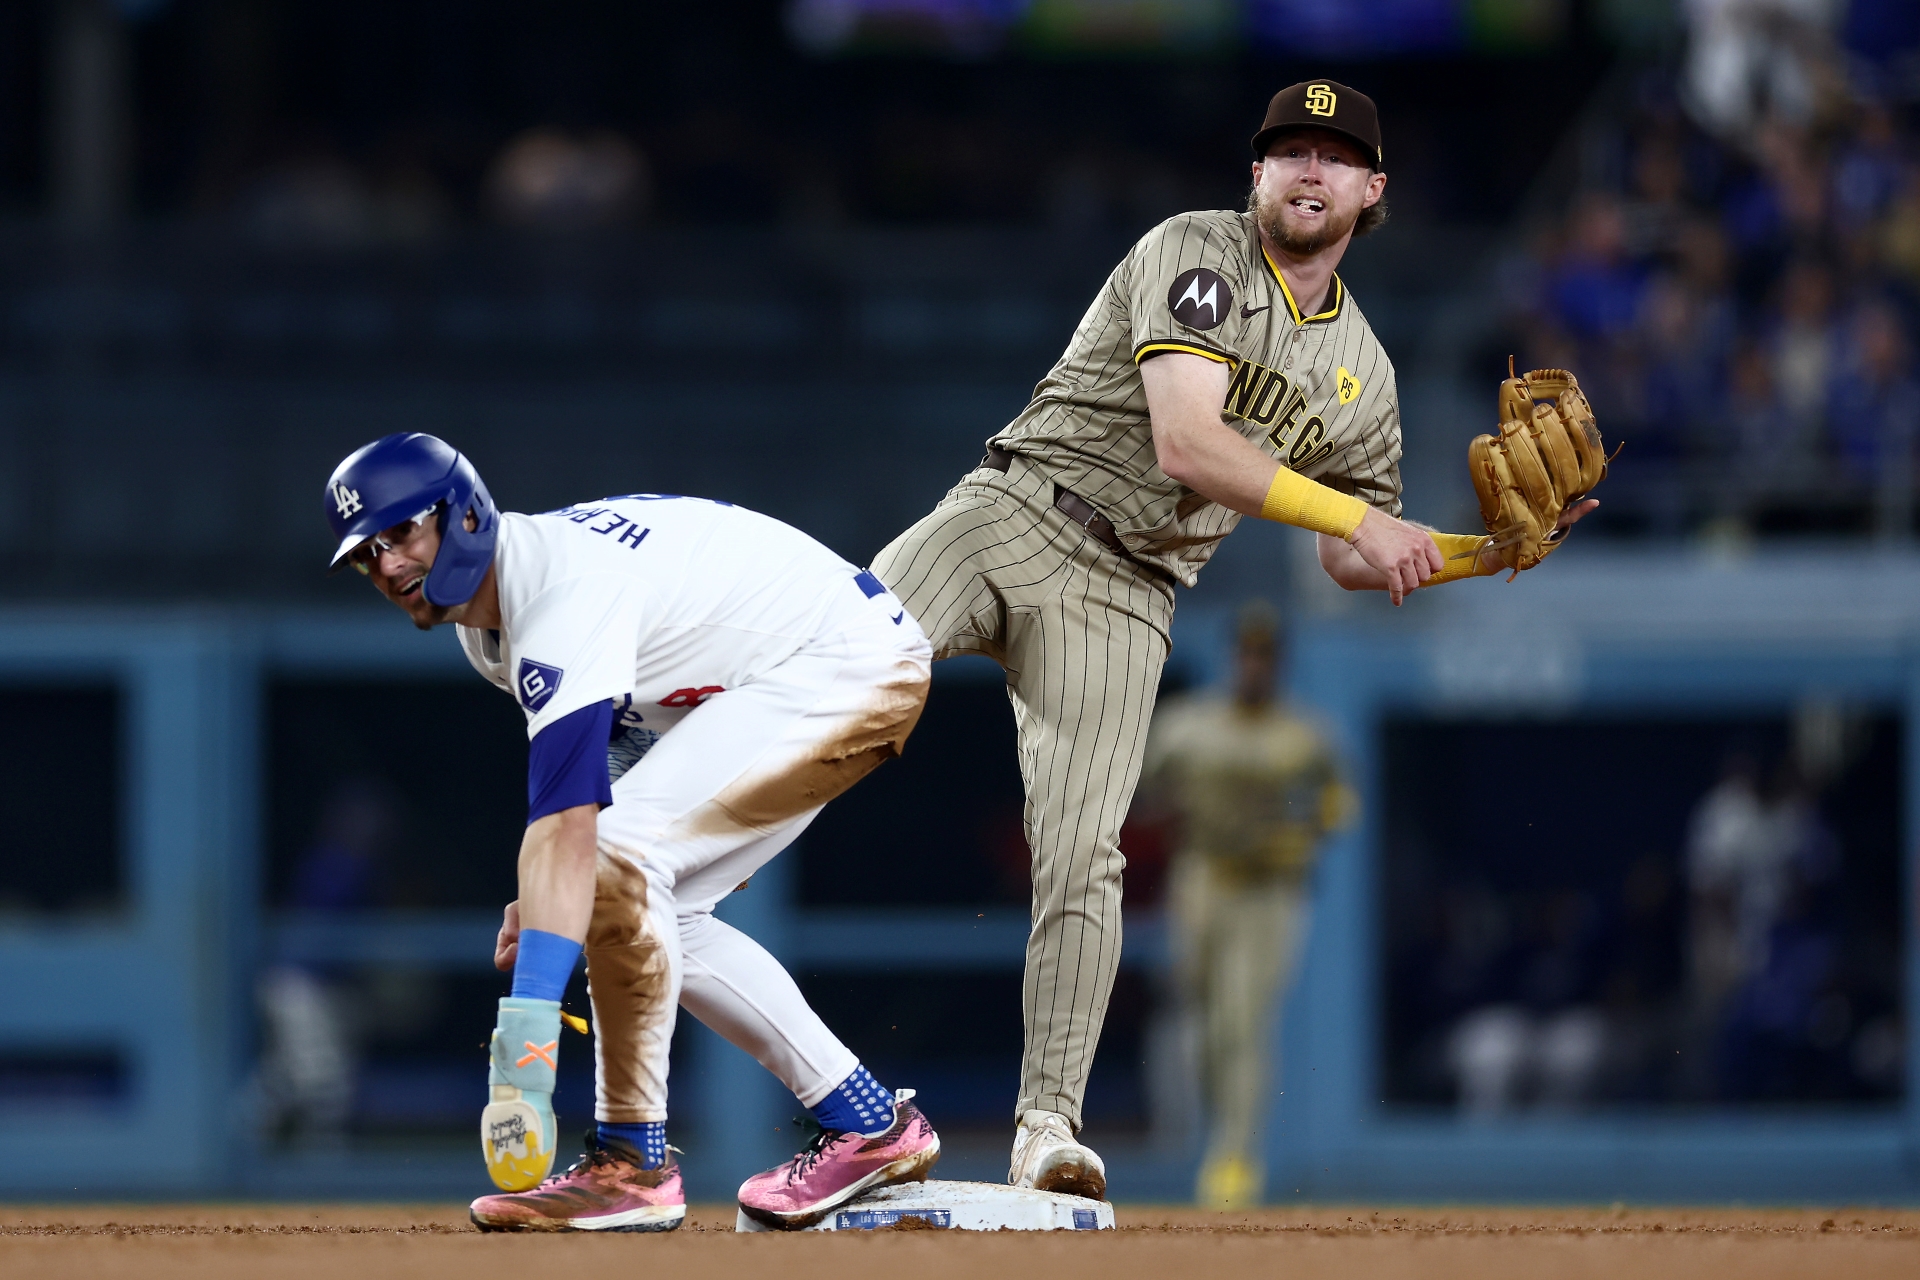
[[898, 616], [1247, 311]]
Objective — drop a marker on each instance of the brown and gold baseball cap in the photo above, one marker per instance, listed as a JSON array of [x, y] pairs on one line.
[[1322, 104]]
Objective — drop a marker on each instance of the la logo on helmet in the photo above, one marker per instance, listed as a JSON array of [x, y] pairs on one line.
[[348, 500], [1320, 99]]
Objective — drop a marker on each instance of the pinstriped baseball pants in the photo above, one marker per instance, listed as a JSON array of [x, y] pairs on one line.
[[996, 569]]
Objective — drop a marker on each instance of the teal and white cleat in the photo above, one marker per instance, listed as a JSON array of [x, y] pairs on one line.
[[517, 1129]]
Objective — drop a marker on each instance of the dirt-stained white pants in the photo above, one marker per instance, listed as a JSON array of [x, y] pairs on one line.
[[714, 800]]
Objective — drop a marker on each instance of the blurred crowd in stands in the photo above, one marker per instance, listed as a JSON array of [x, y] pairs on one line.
[[1745, 954], [1775, 1006], [543, 178], [972, 167], [1737, 285]]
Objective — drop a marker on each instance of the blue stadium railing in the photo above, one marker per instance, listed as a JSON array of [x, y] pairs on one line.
[[167, 981]]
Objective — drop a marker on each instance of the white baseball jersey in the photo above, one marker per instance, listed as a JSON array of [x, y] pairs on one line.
[[653, 601]]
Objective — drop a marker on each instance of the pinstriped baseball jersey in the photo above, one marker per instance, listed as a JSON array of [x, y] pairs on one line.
[[1316, 391]]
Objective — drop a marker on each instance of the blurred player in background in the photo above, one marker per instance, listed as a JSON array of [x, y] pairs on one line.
[[1256, 789], [1223, 371], [698, 680], [309, 1060]]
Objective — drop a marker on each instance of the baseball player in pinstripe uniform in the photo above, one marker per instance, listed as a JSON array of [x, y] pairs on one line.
[[1223, 371]]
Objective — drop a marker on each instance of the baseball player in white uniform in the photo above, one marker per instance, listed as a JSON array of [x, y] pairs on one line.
[[698, 680]]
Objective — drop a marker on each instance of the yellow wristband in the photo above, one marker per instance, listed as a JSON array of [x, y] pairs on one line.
[[1461, 551], [1293, 499]]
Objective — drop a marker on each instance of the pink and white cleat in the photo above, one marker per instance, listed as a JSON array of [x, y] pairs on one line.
[[604, 1190], [837, 1166]]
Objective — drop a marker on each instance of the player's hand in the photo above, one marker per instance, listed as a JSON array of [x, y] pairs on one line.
[[506, 948], [1405, 554]]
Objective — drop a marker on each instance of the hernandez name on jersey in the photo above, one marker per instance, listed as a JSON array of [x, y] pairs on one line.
[[654, 602]]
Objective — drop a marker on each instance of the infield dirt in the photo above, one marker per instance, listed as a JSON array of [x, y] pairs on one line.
[[428, 1242]]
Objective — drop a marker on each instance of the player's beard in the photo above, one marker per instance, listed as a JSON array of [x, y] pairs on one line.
[[1271, 215]]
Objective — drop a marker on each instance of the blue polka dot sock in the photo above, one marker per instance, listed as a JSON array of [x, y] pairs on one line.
[[857, 1105], [649, 1138]]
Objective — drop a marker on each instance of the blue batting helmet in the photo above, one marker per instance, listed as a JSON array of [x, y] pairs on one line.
[[399, 477]]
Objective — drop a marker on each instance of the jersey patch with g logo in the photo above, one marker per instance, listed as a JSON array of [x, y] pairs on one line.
[[1199, 298], [536, 683]]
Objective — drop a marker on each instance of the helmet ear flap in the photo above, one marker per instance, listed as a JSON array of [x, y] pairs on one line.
[[465, 554]]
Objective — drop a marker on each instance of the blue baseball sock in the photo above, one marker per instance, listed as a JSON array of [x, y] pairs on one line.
[[649, 1138], [857, 1105], [545, 962]]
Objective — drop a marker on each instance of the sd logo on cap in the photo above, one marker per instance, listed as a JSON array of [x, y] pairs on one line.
[[1321, 104]]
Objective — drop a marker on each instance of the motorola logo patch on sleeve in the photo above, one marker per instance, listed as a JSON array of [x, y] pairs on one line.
[[1199, 298]]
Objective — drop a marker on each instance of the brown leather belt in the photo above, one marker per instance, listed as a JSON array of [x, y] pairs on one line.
[[1083, 513]]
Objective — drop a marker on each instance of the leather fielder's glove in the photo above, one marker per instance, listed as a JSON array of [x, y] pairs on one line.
[[1547, 457]]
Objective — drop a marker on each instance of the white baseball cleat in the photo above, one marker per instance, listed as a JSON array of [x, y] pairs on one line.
[[1046, 1158]]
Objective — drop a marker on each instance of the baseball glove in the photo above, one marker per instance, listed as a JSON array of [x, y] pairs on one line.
[[1547, 457]]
